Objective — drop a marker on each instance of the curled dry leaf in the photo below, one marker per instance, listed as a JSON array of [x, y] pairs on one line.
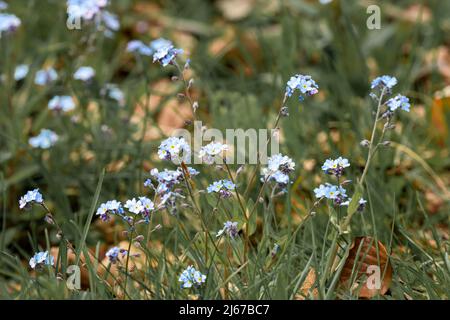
[[307, 287], [372, 272]]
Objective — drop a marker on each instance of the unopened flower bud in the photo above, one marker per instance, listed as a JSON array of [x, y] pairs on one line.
[[187, 64], [174, 78], [365, 143], [195, 106], [284, 111], [49, 219], [386, 143], [190, 83], [59, 235], [139, 238]]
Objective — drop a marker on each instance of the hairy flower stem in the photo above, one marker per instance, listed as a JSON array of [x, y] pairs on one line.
[[130, 239], [347, 220], [372, 150], [187, 91], [255, 172], [199, 213]]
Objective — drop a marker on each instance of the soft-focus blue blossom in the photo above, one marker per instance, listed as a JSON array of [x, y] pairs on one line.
[[84, 73], [21, 72], [164, 51], [384, 81], [137, 46], [111, 22], [113, 92], [174, 149], [113, 254], [304, 84], [31, 197], [336, 166], [45, 76], [85, 9], [361, 204], [399, 101], [191, 278], [3, 5], [61, 103], [41, 259], [94, 11], [230, 228], [278, 169], [44, 140], [8, 23]]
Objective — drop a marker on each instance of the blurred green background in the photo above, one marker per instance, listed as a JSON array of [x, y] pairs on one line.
[[242, 53]]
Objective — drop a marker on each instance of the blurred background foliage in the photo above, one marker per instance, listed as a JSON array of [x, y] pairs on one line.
[[242, 53]]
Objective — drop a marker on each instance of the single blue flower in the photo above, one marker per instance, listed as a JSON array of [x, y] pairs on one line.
[[40, 259]]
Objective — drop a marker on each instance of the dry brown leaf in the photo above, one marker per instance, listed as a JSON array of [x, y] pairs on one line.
[[234, 10], [305, 290], [367, 257], [441, 106], [72, 258]]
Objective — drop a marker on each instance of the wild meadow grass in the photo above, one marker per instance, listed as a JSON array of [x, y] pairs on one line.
[[91, 176]]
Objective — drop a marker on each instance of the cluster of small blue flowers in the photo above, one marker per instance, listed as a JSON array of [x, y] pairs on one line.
[[304, 84], [278, 169], [191, 278], [167, 179], [229, 228], [222, 187], [141, 207], [385, 84], [30, 198], [41, 259], [163, 50], [113, 254], [94, 11], [336, 193], [212, 151], [113, 207], [174, 149], [335, 167]]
